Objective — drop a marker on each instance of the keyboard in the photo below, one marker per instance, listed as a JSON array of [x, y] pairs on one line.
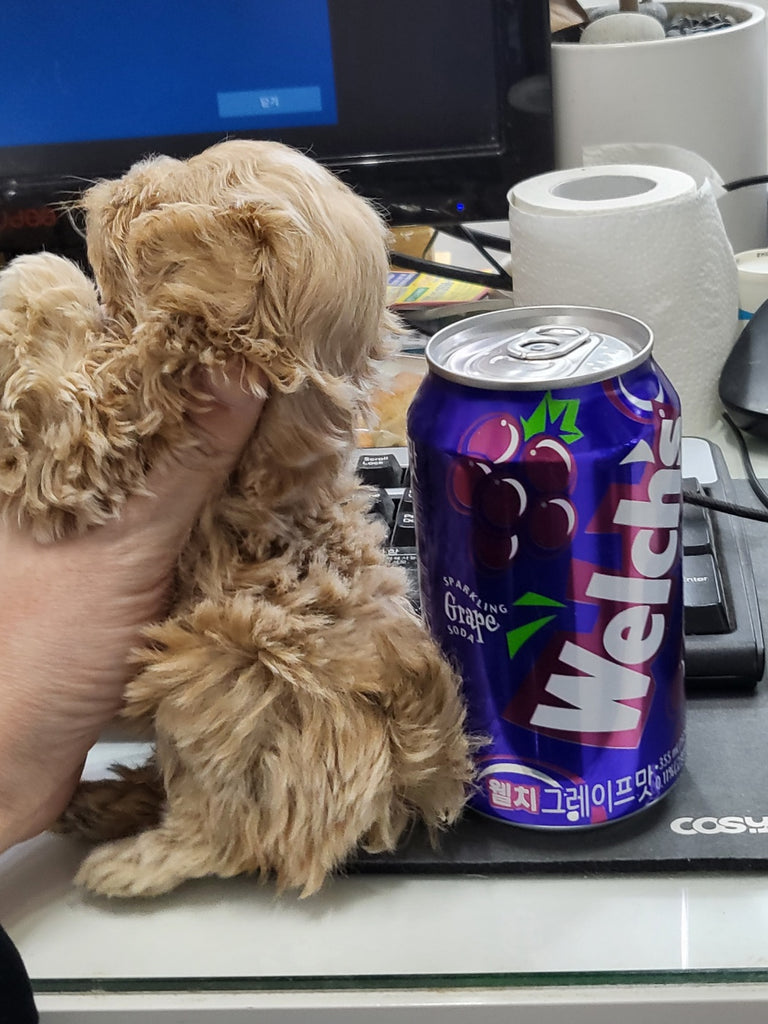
[[724, 645]]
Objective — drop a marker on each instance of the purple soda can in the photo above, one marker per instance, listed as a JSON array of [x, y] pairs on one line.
[[545, 467]]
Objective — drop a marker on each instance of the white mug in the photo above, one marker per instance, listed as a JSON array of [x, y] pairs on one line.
[[752, 266]]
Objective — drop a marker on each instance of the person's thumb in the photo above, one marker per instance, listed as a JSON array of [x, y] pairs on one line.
[[222, 423], [226, 422]]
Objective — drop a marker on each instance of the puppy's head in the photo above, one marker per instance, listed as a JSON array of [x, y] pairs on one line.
[[251, 250]]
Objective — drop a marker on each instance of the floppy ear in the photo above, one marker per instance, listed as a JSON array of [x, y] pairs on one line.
[[211, 280]]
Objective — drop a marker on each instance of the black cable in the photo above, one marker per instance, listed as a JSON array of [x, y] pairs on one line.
[[480, 240], [500, 281], [429, 244], [484, 238], [758, 179], [728, 507], [469, 236]]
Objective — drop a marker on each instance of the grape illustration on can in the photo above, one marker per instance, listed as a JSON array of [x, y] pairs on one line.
[[515, 482]]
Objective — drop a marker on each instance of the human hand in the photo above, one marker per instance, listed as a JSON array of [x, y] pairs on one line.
[[71, 612]]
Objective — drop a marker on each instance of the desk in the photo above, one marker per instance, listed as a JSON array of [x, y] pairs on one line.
[[560, 949]]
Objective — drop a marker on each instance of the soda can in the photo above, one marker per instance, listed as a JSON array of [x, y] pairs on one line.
[[544, 450]]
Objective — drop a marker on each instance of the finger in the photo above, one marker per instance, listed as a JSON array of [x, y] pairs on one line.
[[222, 424], [178, 485], [229, 419]]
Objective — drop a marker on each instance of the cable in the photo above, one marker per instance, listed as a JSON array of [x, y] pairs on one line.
[[480, 240], [758, 179], [429, 244], [483, 238], [501, 281], [470, 236], [728, 507]]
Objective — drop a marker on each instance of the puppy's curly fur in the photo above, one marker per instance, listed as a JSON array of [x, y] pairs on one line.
[[300, 710]]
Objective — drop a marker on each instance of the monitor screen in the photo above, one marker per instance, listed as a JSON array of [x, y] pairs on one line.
[[434, 108]]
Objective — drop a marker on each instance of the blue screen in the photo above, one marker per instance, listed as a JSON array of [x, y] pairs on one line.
[[101, 70]]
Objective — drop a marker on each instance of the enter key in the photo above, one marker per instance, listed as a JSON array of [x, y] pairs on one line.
[[706, 610]]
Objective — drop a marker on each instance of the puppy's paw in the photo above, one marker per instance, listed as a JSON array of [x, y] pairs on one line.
[[67, 458], [111, 870], [149, 864], [46, 301], [115, 869], [27, 281]]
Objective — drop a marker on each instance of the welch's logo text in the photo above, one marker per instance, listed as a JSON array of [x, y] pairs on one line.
[[596, 688]]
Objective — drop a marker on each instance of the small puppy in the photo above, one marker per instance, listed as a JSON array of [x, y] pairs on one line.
[[300, 710]]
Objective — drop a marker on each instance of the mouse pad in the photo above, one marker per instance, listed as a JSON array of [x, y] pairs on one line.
[[719, 805]]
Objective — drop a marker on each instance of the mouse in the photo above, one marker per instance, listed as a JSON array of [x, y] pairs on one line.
[[743, 383]]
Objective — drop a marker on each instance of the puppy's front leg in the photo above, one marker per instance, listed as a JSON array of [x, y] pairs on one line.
[[48, 310], [57, 446]]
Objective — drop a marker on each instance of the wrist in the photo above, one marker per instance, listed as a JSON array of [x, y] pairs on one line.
[[33, 793], [11, 829]]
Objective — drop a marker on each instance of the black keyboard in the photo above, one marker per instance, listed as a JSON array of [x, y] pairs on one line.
[[723, 629], [723, 632]]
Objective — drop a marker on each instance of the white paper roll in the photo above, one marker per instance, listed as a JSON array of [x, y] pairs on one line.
[[601, 189], [642, 240]]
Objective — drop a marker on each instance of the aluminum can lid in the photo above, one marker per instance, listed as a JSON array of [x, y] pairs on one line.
[[537, 347]]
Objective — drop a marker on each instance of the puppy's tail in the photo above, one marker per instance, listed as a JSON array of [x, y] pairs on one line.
[[130, 802]]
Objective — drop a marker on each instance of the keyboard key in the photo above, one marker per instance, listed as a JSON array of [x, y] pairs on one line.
[[404, 531], [384, 507], [406, 558], [705, 608], [380, 470]]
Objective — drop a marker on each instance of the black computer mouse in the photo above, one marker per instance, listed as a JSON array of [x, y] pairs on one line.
[[744, 377]]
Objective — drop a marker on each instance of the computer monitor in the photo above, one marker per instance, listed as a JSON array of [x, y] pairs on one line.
[[433, 108]]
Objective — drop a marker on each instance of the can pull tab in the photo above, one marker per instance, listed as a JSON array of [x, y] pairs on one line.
[[548, 341]]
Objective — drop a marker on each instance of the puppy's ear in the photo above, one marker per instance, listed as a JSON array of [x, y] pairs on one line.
[[211, 279]]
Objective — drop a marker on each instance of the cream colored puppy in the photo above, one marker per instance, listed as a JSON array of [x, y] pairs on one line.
[[300, 710]]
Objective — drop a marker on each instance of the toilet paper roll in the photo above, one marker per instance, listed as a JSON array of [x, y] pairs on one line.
[[642, 240]]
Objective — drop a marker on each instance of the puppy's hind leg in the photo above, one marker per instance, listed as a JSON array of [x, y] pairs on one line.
[[159, 859]]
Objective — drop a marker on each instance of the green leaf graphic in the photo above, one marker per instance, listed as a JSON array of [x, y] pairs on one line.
[[533, 600], [544, 418], [517, 637]]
